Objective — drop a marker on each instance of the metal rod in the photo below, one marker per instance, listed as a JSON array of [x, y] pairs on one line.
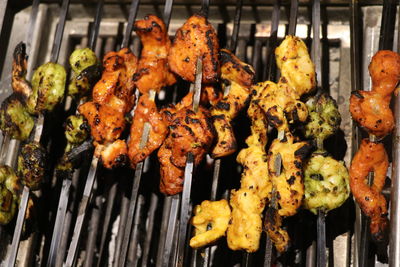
[[387, 25], [272, 40], [205, 5], [81, 213], [96, 25], [149, 230], [236, 26], [171, 229], [132, 17], [394, 236], [167, 12], [321, 239], [59, 223], [32, 23], [12, 255], [197, 85], [92, 231], [55, 51], [294, 4]]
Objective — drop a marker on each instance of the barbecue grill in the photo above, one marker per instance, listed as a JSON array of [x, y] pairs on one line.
[[95, 228]]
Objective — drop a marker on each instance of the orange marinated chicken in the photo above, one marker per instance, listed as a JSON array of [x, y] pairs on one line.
[[371, 157], [273, 226], [189, 132], [237, 77], [153, 72], [210, 94], [19, 82], [196, 38], [112, 98], [372, 109], [146, 111]]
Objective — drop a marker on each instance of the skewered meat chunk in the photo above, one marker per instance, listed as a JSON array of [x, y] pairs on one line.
[[146, 111], [153, 72], [10, 188], [245, 229], [324, 117], [239, 77], [196, 38], [86, 71], [372, 109], [15, 119], [31, 165], [326, 183], [112, 155], [115, 88], [273, 226], [19, 83], [255, 187], [48, 84], [294, 62], [190, 132], [289, 184], [210, 94], [213, 214], [371, 157]]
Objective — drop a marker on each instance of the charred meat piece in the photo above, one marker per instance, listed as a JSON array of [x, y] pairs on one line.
[[19, 83], [15, 119], [210, 95], [146, 111], [86, 72], [32, 164], [273, 226], [238, 77], [289, 183], [171, 182], [195, 39], [371, 157], [112, 155], [10, 187], [153, 72], [211, 219], [48, 83]]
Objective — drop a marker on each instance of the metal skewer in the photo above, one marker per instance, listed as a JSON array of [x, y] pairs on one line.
[[38, 133], [93, 168], [66, 186]]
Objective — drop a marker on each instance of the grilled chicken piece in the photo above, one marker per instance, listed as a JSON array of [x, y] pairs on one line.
[[10, 187], [273, 226], [196, 38], [86, 71], [210, 95], [15, 119], [115, 88], [239, 77], [146, 111], [289, 184], [48, 84], [32, 165], [255, 186], [190, 132], [19, 83], [153, 72], [371, 157], [171, 182], [113, 154], [372, 109], [326, 183], [211, 219], [294, 62]]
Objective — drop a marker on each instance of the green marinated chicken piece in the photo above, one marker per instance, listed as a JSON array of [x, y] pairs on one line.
[[76, 129], [326, 183], [48, 84], [324, 117], [9, 194], [86, 72], [15, 119], [31, 165]]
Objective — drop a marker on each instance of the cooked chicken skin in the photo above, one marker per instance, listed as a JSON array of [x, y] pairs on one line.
[[112, 155], [289, 184], [371, 157], [372, 109], [19, 65], [210, 95], [153, 72], [273, 226], [213, 214], [196, 38], [146, 111], [239, 77], [190, 132]]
